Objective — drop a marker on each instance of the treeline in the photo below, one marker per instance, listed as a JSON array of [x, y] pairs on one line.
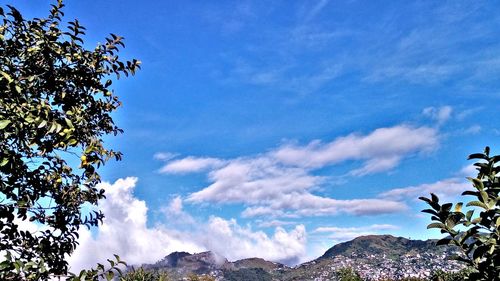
[[258, 274]]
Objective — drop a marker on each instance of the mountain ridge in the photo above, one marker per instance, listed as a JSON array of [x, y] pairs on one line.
[[373, 256]]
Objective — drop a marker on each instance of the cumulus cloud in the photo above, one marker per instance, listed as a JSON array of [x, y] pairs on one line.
[[125, 232], [229, 239], [174, 211], [282, 182]]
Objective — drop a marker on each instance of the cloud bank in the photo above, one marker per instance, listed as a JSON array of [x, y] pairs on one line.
[[125, 233]]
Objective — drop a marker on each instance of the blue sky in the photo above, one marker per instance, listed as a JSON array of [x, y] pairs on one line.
[[279, 128]]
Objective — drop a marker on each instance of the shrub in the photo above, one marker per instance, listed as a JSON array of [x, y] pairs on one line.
[[476, 231]]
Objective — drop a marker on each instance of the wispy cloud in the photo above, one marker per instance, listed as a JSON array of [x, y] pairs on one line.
[[382, 149], [447, 189], [306, 204], [315, 10], [190, 164], [164, 156], [341, 234], [440, 115], [281, 182], [434, 49]]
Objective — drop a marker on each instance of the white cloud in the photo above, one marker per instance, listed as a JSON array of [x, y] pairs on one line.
[[306, 204], [254, 180], [125, 232], [440, 115], [383, 147], [468, 171], [315, 10], [373, 227], [164, 156], [190, 164], [473, 130], [174, 211], [176, 205], [227, 238], [277, 190], [446, 189], [281, 182], [341, 234], [377, 165], [273, 223]]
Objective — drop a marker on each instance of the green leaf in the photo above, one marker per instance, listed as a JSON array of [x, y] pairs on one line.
[[444, 241], [446, 207], [4, 123], [425, 199], [110, 275], [477, 156], [458, 207], [477, 204], [469, 214], [7, 76], [436, 225], [4, 265], [483, 196], [468, 192], [434, 198], [430, 211]]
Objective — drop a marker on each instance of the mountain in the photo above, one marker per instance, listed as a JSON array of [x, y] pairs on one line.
[[373, 257], [391, 246], [182, 263], [377, 257]]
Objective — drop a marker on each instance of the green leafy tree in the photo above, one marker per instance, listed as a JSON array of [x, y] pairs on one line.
[[55, 106], [451, 276], [145, 275], [195, 277], [348, 274], [476, 231]]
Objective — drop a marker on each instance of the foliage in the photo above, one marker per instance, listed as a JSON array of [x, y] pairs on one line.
[[144, 275], [100, 272], [248, 274], [348, 274], [55, 109], [476, 232], [194, 277], [450, 276]]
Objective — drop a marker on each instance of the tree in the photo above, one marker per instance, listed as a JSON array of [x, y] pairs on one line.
[[348, 274], [145, 275], [476, 232], [55, 106]]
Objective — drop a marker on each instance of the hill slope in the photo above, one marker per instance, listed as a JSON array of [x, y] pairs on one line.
[[374, 257]]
